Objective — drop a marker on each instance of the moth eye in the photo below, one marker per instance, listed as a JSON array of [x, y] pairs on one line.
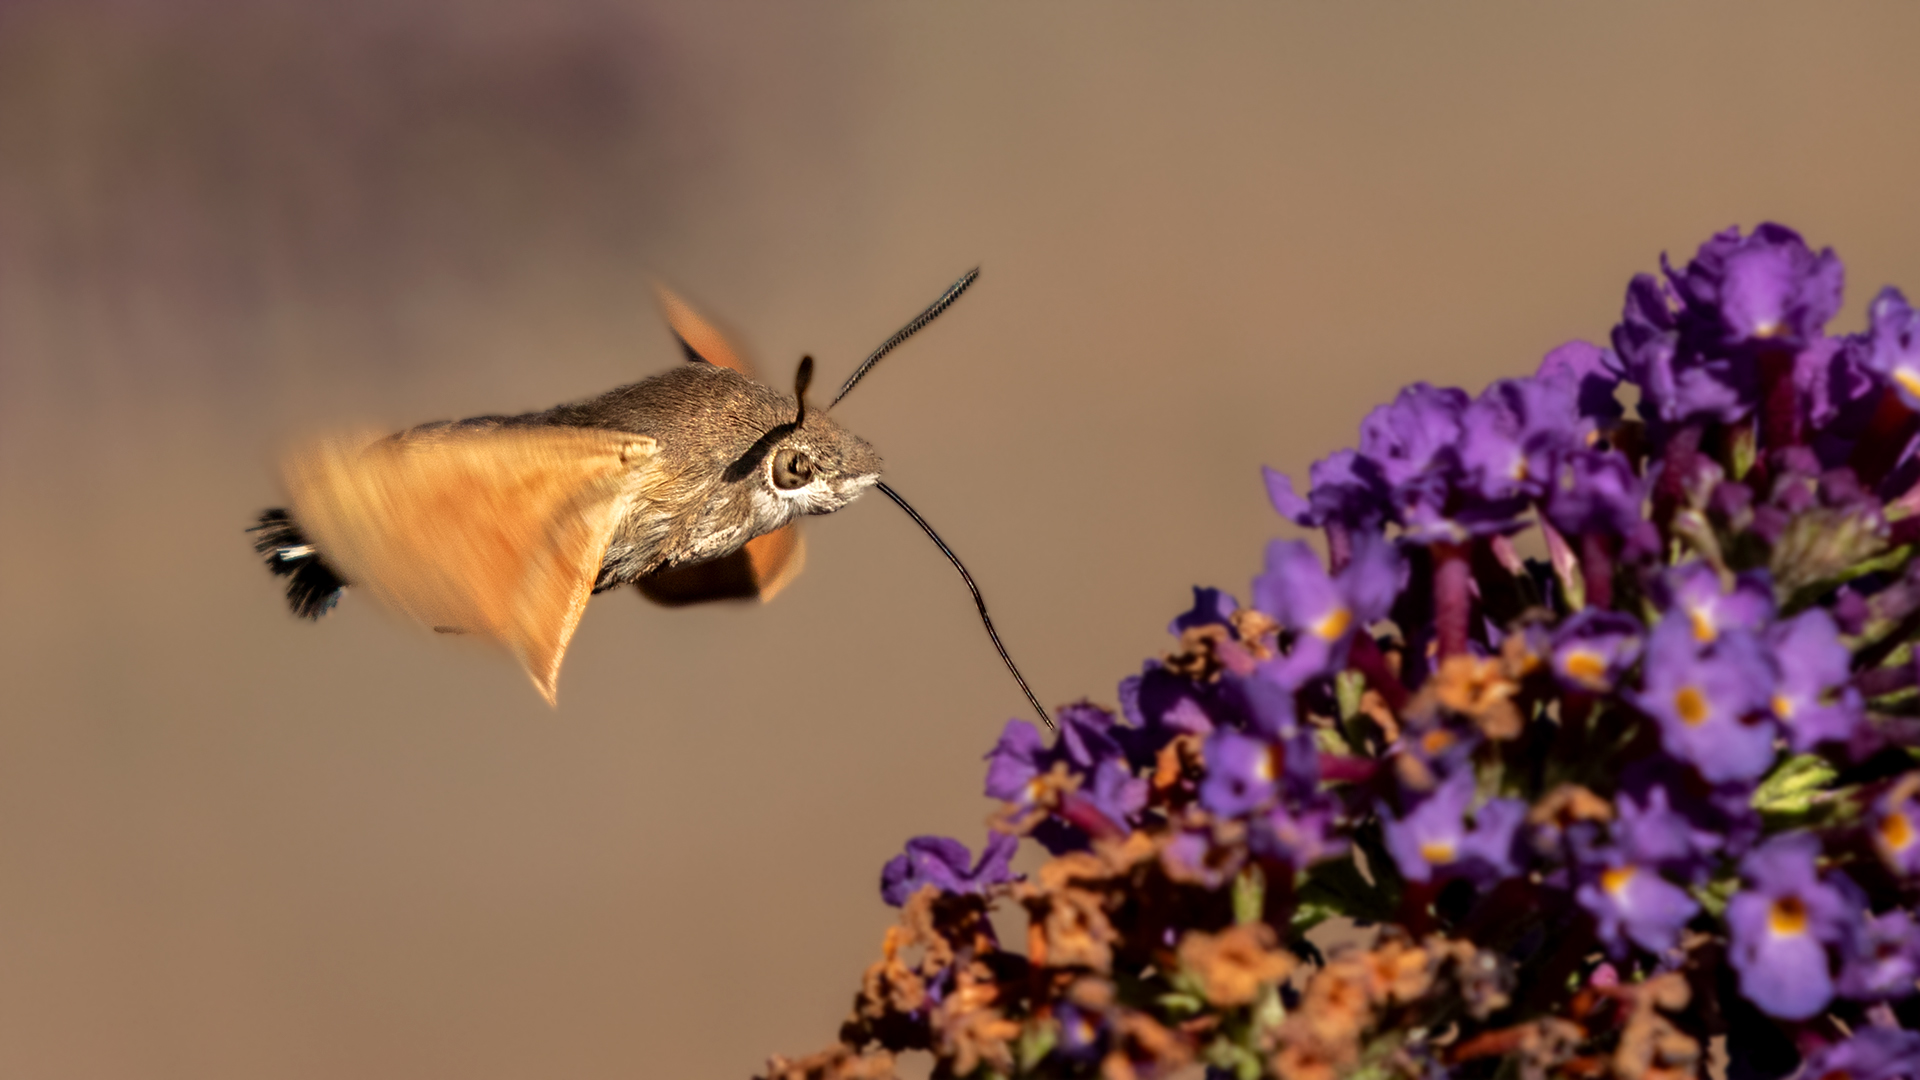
[[791, 469]]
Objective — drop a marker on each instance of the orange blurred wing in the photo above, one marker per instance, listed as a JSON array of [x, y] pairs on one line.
[[498, 532], [765, 566]]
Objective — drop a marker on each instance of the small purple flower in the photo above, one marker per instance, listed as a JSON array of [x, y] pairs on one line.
[[1435, 840], [1161, 703], [1895, 828], [1836, 390], [1891, 346], [1265, 701], [1211, 607], [1631, 902], [1704, 701], [1677, 382], [1595, 647], [1812, 698], [1694, 590], [942, 863], [1652, 833], [1767, 286], [1781, 925], [1343, 489], [1108, 806], [1087, 735], [1880, 956], [1597, 491], [1321, 609], [1015, 762], [1513, 431], [1417, 434], [1243, 773], [1873, 1053], [1592, 376], [1300, 839], [1083, 1033]]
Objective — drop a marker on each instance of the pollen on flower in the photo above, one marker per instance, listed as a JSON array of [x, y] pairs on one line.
[[1783, 706], [1438, 852], [1896, 831], [1909, 380], [1703, 629], [1588, 667], [1691, 704], [1615, 879], [1270, 765], [1334, 623], [1788, 916]]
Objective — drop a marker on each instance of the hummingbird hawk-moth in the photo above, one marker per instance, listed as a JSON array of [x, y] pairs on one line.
[[688, 484]]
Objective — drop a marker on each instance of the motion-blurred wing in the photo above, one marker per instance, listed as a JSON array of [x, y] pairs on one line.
[[762, 568], [498, 532]]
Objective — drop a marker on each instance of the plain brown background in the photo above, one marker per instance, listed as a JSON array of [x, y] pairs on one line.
[[236, 845]]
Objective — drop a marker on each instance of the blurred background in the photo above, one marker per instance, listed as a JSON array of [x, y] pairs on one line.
[[233, 844]]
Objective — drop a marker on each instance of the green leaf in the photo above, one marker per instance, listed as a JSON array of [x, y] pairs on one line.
[[1743, 449], [1713, 896], [1226, 1054], [1181, 1004], [1249, 894], [1336, 887], [1036, 1042], [1791, 788], [1268, 1012], [1347, 688]]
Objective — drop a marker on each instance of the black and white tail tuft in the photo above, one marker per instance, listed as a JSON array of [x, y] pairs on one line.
[[312, 586]]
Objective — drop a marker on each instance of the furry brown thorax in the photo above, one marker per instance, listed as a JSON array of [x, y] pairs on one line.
[[721, 437]]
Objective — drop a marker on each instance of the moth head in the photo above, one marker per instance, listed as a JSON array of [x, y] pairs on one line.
[[816, 465]]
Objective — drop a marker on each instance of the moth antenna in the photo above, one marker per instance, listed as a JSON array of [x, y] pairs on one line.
[[919, 321], [802, 378], [978, 601]]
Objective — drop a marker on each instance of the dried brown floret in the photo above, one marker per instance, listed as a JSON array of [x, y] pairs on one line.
[[1044, 792], [1142, 1048], [1235, 964], [836, 1063], [1258, 632], [1198, 657], [1651, 1047], [1076, 931], [971, 1028], [1181, 762], [1567, 804], [1477, 689], [1541, 1047]]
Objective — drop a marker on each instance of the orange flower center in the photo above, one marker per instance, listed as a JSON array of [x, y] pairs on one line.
[[1615, 879], [1783, 706], [1586, 666], [1334, 624], [1703, 628], [1896, 831], [1691, 704], [1788, 917], [1908, 379], [1437, 852]]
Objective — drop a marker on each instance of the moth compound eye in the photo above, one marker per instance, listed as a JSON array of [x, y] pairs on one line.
[[791, 469]]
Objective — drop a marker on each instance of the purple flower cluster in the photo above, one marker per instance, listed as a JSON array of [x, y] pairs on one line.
[[1608, 723]]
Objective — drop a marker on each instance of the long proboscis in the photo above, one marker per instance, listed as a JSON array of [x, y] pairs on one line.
[[978, 600], [919, 322]]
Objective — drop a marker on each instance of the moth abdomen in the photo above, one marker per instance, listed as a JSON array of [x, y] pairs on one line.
[[313, 587]]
